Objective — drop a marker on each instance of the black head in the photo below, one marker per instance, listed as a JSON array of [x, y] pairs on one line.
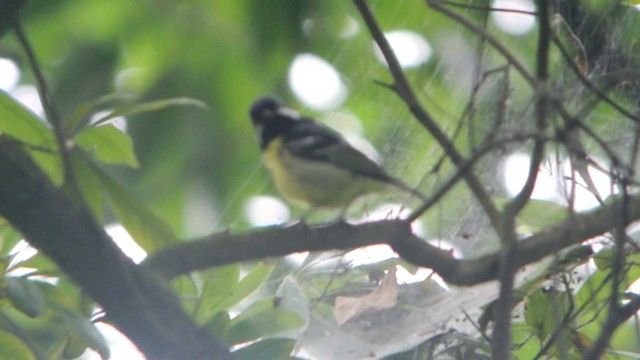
[[271, 119], [264, 109]]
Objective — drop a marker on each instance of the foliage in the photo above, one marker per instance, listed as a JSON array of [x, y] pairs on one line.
[[183, 74]]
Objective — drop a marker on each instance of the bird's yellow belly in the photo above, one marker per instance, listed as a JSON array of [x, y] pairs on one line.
[[314, 183]]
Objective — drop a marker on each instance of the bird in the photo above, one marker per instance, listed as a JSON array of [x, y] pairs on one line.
[[312, 164]]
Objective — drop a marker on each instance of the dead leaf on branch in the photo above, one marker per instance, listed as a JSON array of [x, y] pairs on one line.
[[383, 297]]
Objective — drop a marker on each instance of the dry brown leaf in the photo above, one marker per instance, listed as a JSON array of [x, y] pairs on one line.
[[384, 297]]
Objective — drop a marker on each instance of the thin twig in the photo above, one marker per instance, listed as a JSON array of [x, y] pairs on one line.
[[437, 5], [500, 346], [466, 167], [591, 86], [564, 323], [501, 337], [405, 92], [488, 9], [47, 105], [615, 314], [478, 78], [542, 104], [573, 121]]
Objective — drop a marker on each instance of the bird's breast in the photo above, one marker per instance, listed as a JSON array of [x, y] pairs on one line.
[[315, 183]]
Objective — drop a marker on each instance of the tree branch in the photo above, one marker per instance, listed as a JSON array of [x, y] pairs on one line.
[[225, 248], [47, 104], [501, 337], [9, 13], [404, 91], [134, 300], [520, 68]]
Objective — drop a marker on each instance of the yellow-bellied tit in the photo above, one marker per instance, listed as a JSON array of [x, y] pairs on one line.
[[311, 163]]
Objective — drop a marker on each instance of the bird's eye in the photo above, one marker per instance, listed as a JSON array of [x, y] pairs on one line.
[[268, 112]]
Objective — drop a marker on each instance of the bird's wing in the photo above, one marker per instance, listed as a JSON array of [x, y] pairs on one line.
[[317, 142]]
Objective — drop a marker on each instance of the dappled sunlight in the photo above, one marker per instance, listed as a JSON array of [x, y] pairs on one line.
[[120, 122], [125, 242], [511, 22], [411, 49], [316, 83], [120, 347], [27, 95], [515, 172], [554, 183], [266, 211], [205, 166], [369, 255], [349, 28], [9, 74]]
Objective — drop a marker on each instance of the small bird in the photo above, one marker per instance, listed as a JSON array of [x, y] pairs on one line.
[[312, 164]]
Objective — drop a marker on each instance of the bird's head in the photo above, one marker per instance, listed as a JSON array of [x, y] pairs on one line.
[[268, 110], [264, 109]]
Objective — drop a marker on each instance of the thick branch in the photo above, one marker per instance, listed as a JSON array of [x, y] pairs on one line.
[[226, 248], [133, 299], [501, 337]]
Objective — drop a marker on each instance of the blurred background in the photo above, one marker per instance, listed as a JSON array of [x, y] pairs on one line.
[[200, 168], [199, 165]]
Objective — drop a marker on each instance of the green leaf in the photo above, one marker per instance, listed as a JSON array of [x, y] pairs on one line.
[[89, 184], [219, 324], [42, 265], [50, 163], [13, 348], [528, 344], [151, 106], [544, 310], [293, 298], [218, 285], [145, 227], [85, 331], [59, 295], [536, 313], [188, 289], [268, 323], [250, 283], [22, 124], [108, 144], [9, 237], [268, 349], [597, 289], [25, 296], [74, 347], [264, 304], [81, 115], [540, 214], [604, 259], [228, 294]]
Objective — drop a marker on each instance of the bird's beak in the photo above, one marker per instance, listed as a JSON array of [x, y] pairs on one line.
[[258, 128]]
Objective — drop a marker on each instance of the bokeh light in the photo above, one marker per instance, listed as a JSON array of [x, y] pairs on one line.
[[266, 210], [28, 96], [125, 242], [410, 48], [316, 83], [120, 122], [9, 74], [512, 22], [554, 182]]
